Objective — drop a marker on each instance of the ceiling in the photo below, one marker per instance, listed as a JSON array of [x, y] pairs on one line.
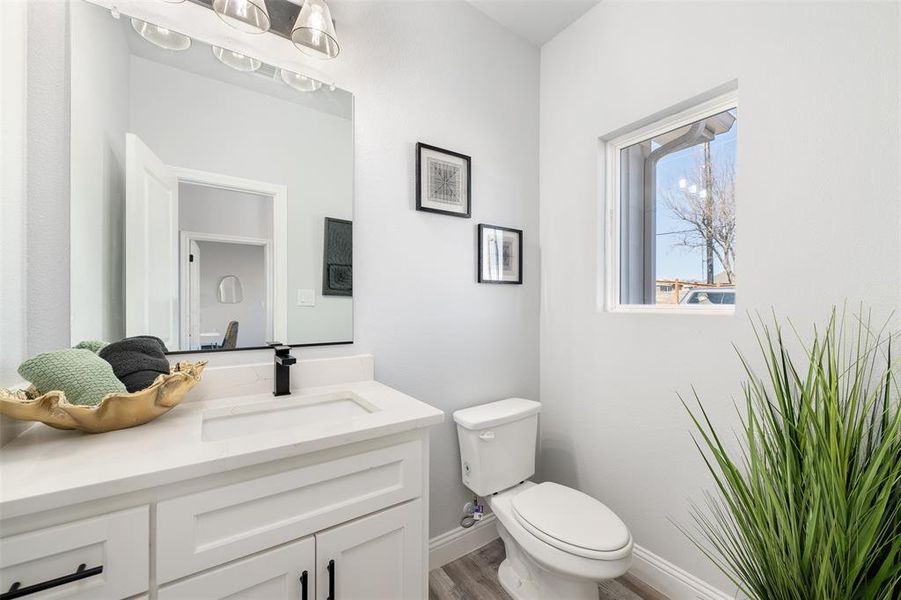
[[535, 20]]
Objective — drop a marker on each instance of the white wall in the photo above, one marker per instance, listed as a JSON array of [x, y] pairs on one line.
[[46, 223], [283, 143], [225, 212], [99, 96], [818, 156], [35, 186], [247, 263], [13, 179], [437, 72]]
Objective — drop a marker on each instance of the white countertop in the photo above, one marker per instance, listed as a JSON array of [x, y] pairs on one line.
[[45, 468]]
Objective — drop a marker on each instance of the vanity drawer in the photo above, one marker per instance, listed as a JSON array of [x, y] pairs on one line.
[[206, 529], [118, 542]]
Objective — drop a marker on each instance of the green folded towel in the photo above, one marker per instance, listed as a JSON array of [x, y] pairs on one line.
[[83, 376], [92, 345]]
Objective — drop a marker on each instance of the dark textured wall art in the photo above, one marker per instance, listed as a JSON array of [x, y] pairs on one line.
[[337, 262]]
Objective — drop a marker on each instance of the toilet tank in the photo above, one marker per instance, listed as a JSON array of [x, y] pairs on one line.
[[497, 444]]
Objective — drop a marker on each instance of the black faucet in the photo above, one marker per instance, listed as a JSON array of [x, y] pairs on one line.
[[283, 362]]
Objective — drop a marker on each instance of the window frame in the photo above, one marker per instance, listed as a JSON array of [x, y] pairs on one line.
[[612, 211]]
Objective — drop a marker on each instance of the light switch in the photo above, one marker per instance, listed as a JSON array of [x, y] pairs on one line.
[[306, 298]]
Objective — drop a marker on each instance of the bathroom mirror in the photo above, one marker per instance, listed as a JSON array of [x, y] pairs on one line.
[[203, 183]]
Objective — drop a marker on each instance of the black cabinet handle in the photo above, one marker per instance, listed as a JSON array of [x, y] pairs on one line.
[[303, 586], [83, 572], [331, 580]]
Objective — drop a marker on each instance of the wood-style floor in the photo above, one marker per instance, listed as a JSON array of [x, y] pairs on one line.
[[474, 577]]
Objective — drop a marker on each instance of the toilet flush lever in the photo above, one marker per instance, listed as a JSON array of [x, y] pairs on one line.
[[486, 435]]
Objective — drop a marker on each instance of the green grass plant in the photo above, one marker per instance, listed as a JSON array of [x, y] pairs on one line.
[[807, 504]]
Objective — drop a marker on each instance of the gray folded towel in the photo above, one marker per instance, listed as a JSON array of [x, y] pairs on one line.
[[137, 361]]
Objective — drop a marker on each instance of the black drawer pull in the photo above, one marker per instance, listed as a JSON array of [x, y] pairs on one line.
[[303, 585], [331, 581], [83, 572]]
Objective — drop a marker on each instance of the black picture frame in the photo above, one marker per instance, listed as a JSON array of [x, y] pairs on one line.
[[482, 276], [337, 258], [420, 146]]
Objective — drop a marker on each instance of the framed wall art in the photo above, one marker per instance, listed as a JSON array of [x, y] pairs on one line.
[[500, 254], [443, 181], [337, 258]]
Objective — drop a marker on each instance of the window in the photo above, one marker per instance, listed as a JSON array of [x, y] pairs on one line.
[[671, 212]]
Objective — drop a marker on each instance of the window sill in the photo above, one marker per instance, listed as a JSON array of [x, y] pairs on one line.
[[673, 309]]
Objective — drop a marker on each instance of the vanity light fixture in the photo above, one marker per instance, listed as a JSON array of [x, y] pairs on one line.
[[236, 60], [299, 82], [249, 16], [314, 31], [161, 36]]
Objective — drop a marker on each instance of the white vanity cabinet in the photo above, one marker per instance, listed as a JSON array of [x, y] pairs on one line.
[[333, 504], [320, 527]]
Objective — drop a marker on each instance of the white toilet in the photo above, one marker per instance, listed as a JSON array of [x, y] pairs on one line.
[[559, 541]]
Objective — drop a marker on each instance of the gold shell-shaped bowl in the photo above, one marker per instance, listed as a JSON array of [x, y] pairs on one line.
[[115, 411]]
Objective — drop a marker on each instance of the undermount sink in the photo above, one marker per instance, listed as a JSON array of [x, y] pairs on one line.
[[283, 413]]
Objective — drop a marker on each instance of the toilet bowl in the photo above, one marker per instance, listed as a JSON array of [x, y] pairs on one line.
[[560, 542], [557, 563]]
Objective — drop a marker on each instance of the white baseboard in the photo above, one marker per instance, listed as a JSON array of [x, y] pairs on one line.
[[670, 580], [458, 542]]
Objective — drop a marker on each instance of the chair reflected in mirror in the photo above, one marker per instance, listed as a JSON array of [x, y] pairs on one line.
[[230, 341]]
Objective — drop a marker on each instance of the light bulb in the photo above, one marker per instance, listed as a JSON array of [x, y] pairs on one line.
[[236, 60], [249, 16], [161, 36], [299, 82]]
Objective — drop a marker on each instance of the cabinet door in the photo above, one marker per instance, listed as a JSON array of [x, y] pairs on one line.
[[286, 573], [379, 557]]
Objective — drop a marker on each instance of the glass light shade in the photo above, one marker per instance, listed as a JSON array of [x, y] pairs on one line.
[[236, 60], [161, 36], [314, 30], [249, 16], [299, 82]]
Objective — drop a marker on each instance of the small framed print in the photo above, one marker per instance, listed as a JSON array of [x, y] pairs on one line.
[[500, 254], [443, 181]]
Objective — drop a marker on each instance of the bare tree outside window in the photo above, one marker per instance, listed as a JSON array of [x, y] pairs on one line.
[[705, 203]]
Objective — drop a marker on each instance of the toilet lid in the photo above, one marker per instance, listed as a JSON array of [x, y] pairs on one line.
[[571, 517]]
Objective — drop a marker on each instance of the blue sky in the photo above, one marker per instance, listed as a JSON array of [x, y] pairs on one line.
[[676, 261]]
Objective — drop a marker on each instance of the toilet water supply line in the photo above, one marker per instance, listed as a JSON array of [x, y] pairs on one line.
[[472, 512]]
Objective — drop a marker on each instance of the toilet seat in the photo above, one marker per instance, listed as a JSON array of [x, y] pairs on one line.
[[571, 521]]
